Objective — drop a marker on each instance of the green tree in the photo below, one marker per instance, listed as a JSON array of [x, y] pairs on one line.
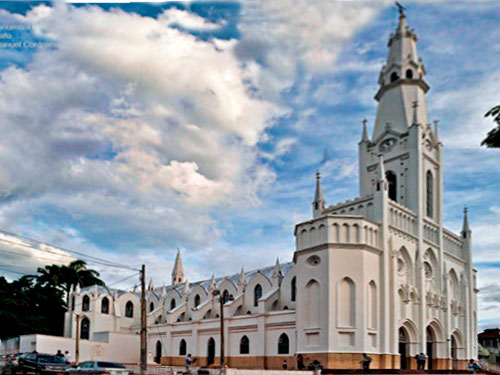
[[64, 277], [28, 307], [493, 137]]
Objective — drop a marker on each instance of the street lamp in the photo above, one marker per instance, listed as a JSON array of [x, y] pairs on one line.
[[216, 292]]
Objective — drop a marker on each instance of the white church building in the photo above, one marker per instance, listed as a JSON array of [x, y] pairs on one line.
[[378, 274]]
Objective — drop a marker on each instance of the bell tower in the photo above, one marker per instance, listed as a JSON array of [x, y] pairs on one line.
[[401, 133]]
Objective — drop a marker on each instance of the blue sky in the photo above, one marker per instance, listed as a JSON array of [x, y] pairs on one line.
[[147, 127]]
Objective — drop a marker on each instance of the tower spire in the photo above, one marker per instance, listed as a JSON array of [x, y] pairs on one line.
[[364, 136], [465, 227], [178, 271], [401, 78], [319, 201]]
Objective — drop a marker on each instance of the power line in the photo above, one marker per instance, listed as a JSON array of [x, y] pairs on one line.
[[11, 251], [96, 259]]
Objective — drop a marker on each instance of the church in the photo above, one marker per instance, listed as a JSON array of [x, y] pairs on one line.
[[377, 274]]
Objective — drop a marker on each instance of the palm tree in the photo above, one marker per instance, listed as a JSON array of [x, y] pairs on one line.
[[65, 277], [493, 137]]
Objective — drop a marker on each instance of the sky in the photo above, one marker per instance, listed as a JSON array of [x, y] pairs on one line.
[[129, 131]]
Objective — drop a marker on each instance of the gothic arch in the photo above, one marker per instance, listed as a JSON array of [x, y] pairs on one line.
[[105, 305], [346, 303], [372, 305], [429, 194], [313, 307], [283, 344], [392, 184], [85, 328]]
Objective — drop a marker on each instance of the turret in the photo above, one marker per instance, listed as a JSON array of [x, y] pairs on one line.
[[466, 232], [242, 281], [319, 201], [178, 271]]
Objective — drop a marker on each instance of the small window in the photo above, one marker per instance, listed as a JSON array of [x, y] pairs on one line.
[[257, 294], [294, 289], [85, 329], [129, 309], [394, 76], [151, 306], [409, 74], [283, 344], [182, 347], [172, 304], [391, 182], [197, 300], [244, 345], [105, 305], [86, 303], [225, 296], [430, 194]]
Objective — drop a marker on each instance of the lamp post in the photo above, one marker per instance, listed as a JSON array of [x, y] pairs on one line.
[[216, 292]]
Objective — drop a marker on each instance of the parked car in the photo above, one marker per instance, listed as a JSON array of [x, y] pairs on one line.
[[98, 368], [11, 365], [42, 364]]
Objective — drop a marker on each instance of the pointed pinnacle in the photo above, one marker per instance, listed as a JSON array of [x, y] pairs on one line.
[[364, 136]]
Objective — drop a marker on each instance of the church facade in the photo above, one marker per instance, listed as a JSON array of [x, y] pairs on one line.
[[378, 274]]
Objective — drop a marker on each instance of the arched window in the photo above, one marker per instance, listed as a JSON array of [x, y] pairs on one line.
[[346, 303], [129, 309], [409, 73], [372, 305], [197, 300], [86, 303], [394, 76], [105, 305], [151, 306], [257, 294], [294, 288], [172, 304], [312, 303], [244, 345], [182, 347], [392, 184], [85, 329], [430, 194], [225, 296], [283, 344], [158, 352]]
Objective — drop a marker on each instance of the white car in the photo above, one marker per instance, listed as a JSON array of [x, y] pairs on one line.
[[98, 368]]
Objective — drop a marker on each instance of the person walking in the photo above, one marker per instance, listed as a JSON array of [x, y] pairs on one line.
[[189, 362], [60, 354], [300, 362], [316, 366], [284, 365], [67, 357], [365, 362], [421, 359]]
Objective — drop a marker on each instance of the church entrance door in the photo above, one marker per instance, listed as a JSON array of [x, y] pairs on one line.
[[454, 356], [158, 352], [403, 348], [430, 347], [211, 351]]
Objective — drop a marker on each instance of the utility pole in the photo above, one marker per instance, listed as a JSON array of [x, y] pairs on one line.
[[144, 329], [77, 338], [221, 300]]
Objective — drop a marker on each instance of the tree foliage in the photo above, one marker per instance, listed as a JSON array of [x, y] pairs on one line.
[[28, 307], [36, 303], [493, 137], [64, 277]]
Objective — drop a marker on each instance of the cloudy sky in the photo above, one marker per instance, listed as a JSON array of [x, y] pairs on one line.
[[130, 130]]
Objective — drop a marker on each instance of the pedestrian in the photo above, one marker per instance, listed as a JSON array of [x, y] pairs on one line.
[[60, 354], [300, 362], [421, 359], [189, 363], [316, 366], [284, 365], [473, 367], [365, 361], [67, 357]]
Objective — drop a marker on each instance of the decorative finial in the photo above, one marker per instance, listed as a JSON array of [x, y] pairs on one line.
[[364, 136], [436, 127], [401, 9], [415, 117], [318, 175], [465, 209]]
